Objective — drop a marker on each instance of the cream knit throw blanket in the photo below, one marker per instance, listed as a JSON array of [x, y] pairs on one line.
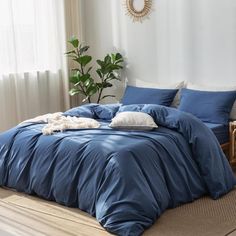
[[58, 122]]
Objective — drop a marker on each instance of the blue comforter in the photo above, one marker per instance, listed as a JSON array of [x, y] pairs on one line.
[[126, 179]]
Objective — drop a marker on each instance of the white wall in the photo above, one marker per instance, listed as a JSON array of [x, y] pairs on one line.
[[183, 39]]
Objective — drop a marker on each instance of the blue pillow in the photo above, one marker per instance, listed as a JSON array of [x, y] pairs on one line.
[[106, 112], [136, 95], [208, 106], [133, 107], [86, 110]]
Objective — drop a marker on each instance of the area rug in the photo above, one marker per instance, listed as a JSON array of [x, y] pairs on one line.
[[204, 217]]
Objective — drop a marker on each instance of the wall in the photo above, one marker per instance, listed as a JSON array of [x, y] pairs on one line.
[[182, 40]]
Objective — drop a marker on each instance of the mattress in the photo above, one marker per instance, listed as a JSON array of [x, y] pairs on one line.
[[221, 131]]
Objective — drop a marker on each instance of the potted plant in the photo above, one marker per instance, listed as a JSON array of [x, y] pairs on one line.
[[107, 71]]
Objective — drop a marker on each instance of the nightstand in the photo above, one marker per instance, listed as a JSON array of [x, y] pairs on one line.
[[232, 133]]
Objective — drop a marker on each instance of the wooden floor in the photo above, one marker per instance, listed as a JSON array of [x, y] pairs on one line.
[[23, 215]]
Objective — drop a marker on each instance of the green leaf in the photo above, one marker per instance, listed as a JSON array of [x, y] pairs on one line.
[[104, 70], [74, 79], [87, 82], [74, 41], [75, 69], [119, 61], [74, 91], [83, 49], [85, 77], [70, 52], [118, 56], [91, 89], [99, 85], [99, 73], [113, 56], [100, 63], [84, 60], [107, 59], [106, 85], [113, 76], [112, 67]]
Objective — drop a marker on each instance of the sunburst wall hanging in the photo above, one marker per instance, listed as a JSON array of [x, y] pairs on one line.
[[138, 14]]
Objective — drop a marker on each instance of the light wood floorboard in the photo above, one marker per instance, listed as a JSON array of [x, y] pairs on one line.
[[22, 215]]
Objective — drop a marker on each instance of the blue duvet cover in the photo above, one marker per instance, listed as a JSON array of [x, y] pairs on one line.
[[126, 179]]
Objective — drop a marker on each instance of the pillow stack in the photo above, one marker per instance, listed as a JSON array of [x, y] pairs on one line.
[[144, 93], [208, 103]]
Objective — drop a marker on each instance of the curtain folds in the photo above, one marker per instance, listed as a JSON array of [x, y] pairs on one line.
[[29, 94], [74, 26], [33, 67]]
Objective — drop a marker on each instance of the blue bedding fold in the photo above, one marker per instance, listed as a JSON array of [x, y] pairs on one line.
[[221, 131], [126, 179]]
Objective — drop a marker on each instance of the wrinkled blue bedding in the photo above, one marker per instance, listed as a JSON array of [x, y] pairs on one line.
[[126, 179]]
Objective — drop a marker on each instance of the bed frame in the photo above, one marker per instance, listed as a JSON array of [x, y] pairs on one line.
[[230, 147]]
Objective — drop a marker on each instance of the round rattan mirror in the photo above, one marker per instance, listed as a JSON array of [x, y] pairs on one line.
[[137, 12]]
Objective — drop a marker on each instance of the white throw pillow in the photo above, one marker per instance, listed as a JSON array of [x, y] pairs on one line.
[[146, 84], [215, 88], [178, 85], [133, 121]]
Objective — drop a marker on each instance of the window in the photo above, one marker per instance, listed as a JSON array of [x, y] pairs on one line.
[[29, 36]]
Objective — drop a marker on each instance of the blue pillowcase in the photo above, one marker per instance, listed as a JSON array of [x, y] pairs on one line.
[[86, 110], [95, 111], [208, 106], [106, 112], [136, 95], [133, 107]]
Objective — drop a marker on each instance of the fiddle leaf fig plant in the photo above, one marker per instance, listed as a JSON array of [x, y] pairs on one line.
[[83, 83]]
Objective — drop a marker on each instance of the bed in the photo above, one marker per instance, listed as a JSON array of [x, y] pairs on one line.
[[222, 133], [124, 178]]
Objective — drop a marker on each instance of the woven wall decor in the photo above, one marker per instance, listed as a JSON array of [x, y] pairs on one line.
[[138, 15]]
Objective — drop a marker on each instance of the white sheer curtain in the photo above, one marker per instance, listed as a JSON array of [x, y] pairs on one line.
[[33, 72]]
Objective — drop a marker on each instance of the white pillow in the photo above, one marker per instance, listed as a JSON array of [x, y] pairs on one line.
[[133, 121], [178, 85], [146, 84], [215, 88]]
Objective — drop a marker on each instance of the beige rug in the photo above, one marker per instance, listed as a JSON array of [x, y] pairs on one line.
[[23, 215], [204, 217]]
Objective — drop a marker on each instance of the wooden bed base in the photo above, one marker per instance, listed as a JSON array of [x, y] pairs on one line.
[[230, 147]]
